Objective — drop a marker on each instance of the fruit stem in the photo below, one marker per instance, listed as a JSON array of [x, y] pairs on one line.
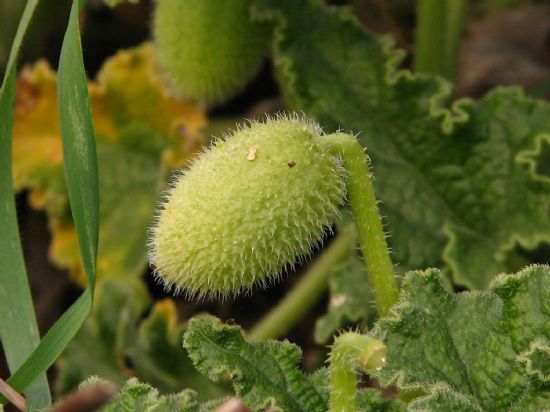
[[350, 353], [438, 33], [281, 318], [372, 238]]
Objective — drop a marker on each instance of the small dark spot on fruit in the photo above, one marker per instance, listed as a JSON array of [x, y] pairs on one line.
[[291, 164]]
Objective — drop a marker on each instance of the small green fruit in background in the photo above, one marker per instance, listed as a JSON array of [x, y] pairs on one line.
[[208, 49], [246, 208]]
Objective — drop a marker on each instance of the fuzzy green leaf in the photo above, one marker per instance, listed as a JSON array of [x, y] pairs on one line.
[[350, 298], [454, 179], [136, 396], [536, 361], [370, 400], [263, 373], [442, 399], [115, 344], [468, 351]]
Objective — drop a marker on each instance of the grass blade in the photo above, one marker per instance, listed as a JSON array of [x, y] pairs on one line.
[[18, 328], [82, 185], [79, 154]]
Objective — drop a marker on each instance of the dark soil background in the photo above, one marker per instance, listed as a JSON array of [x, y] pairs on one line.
[[501, 45]]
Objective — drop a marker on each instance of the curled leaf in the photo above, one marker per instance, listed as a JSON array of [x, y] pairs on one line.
[[142, 397], [263, 373], [456, 179], [471, 351]]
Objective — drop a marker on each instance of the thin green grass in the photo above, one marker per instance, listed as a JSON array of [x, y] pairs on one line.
[[18, 325]]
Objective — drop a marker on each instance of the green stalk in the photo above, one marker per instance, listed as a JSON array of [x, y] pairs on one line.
[[372, 238], [307, 291], [438, 32], [350, 353]]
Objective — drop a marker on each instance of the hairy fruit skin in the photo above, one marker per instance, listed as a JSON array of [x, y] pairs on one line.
[[208, 49], [246, 208]]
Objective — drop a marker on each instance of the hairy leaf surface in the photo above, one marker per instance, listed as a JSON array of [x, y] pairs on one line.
[[136, 396], [263, 373], [266, 373], [371, 400], [484, 351]]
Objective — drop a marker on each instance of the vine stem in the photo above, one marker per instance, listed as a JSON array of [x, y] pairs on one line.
[[372, 238], [438, 34], [351, 352], [281, 318]]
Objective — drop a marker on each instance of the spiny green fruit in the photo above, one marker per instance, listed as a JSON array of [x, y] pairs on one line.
[[209, 49], [247, 207]]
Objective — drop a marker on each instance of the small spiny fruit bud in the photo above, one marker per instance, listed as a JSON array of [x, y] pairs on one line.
[[247, 207], [208, 49]]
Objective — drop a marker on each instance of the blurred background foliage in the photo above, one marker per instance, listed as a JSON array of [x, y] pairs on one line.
[[137, 146], [134, 320]]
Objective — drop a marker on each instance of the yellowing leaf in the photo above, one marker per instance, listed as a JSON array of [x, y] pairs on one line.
[[142, 133], [129, 90], [37, 152]]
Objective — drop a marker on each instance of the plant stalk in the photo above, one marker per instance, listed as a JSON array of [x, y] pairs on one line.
[[281, 318], [350, 353], [438, 32], [372, 238]]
